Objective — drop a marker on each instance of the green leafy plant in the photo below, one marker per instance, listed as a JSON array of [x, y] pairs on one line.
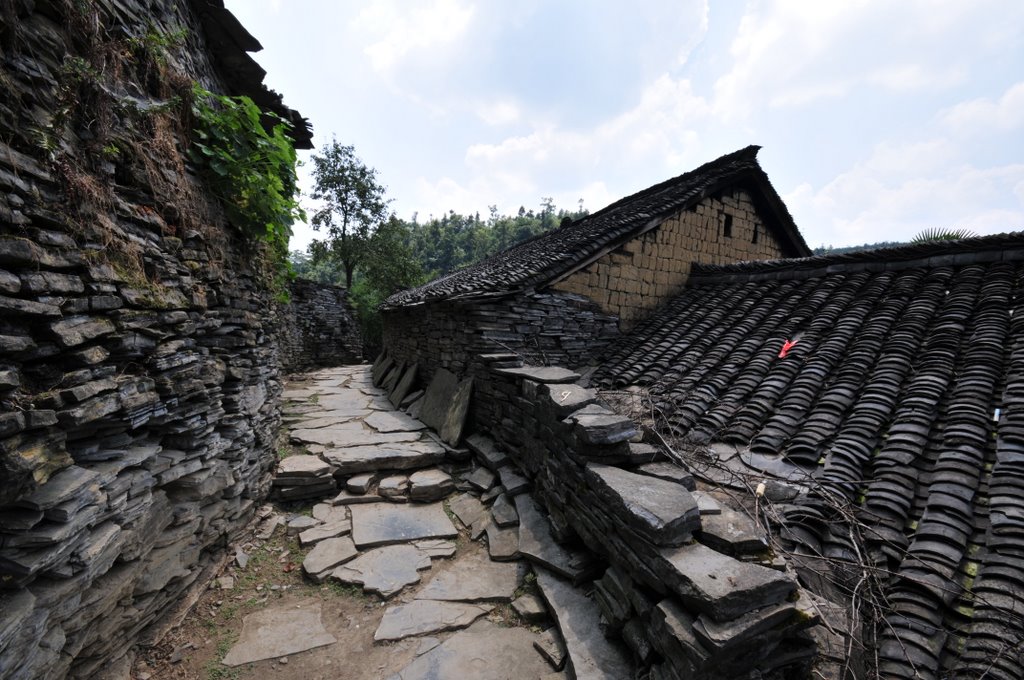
[[250, 169], [936, 234]]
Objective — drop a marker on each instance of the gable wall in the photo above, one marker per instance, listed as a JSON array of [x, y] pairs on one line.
[[646, 271]]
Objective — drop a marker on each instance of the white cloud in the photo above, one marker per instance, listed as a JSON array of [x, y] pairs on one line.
[[984, 114], [901, 189], [498, 112], [400, 29]]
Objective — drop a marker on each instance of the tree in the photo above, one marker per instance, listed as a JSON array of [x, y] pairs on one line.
[[354, 205]]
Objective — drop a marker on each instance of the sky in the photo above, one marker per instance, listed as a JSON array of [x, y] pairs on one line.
[[877, 119]]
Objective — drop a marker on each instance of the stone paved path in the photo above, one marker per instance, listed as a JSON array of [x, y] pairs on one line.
[[393, 512]]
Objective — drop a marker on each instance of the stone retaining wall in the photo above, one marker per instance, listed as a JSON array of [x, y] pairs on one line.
[[685, 607], [139, 390], [541, 328], [317, 328]]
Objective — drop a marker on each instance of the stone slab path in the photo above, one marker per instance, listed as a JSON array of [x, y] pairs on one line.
[[402, 553]]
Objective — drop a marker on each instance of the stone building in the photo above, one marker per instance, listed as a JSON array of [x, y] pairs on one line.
[[562, 296]]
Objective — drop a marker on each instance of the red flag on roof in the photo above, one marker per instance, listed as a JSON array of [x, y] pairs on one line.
[[786, 346]]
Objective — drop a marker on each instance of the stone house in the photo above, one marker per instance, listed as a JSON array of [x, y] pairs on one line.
[[562, 296]]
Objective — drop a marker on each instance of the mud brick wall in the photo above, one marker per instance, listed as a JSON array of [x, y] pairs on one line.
[[651, 268], [664, 593], [317, 328], [542, 328], [139, 389]]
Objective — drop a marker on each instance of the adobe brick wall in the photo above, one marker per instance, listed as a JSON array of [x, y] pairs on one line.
[[651, 268]]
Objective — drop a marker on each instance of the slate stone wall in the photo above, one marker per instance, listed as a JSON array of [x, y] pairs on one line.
[[648, 270], [542, 328], [317, 328], [684, 608], [138, 371]]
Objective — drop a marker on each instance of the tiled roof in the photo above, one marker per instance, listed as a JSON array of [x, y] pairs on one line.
[[549, 255], [903, 396]]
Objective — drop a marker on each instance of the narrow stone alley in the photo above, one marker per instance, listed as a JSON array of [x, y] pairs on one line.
[[386, 553]]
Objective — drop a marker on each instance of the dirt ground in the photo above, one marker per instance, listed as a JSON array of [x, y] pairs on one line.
[[273, 577]]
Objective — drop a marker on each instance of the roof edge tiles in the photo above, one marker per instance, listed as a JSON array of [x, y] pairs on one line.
[[1008, 247], [557, 253]]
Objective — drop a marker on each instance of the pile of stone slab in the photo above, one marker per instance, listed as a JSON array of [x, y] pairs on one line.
[[691, 589]]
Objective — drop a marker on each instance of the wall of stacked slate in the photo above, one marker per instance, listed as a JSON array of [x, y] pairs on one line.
[[685, 609], [317, 328], [542, 328], [138, 371], [648, 270]]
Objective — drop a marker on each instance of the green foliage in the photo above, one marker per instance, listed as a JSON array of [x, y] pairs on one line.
[[353, 206], [250, 170], [155, 45], [936, 234]]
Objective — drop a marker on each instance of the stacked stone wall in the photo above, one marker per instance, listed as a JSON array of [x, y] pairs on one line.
[[540, 328], [139, 387], [317, 328], [685, 608], [648, 270]]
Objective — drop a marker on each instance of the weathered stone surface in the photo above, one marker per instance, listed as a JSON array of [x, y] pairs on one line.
[[75, 330], [436, 547], [60, 488], [513, 482], [385, 570], [537, 544], [530, 608], [383, 523], [661, 511], [394, 488], [502, 544], [481, 479], [706, 504], [427, 616], [482, 652], [327, 555], [347, 498], [504, 513], [279, 631], [602, 429], [487, 451], [393, 421], [591, 654], [404, 385], [446, 404], [467, 508], [669, 471], [314, 535], [552, 648], [361, 483], [303, 466], [350, 435], [297, 525], [542, 374], [430, 485], [385, 456], [566, 398], [720, 586], [732, 532], [475, 578]]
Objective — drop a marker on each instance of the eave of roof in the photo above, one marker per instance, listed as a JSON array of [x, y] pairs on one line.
[[557, 253]]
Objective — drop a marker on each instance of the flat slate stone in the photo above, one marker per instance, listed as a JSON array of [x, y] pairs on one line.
[[279, 631], [487, 451], [386, 570], [530, 608], [552, 648], [484, 651], [393, 421], [446, 404], [537, 544], [513, 482], [669, 471], [383, 523], [394, 488], [436, 547], [348, 435], [430, 485], [721, 586], [467, 508], [312, 536], [592, 655], [327, 555], [566, 398], [427, 616], [542, 374], [732, 532], [481, 479], [706, 504], [475, 578], [404, 456], [404, 385], [504, 513], [348, 498], [361, 483], [663, 512], [502, 544]]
